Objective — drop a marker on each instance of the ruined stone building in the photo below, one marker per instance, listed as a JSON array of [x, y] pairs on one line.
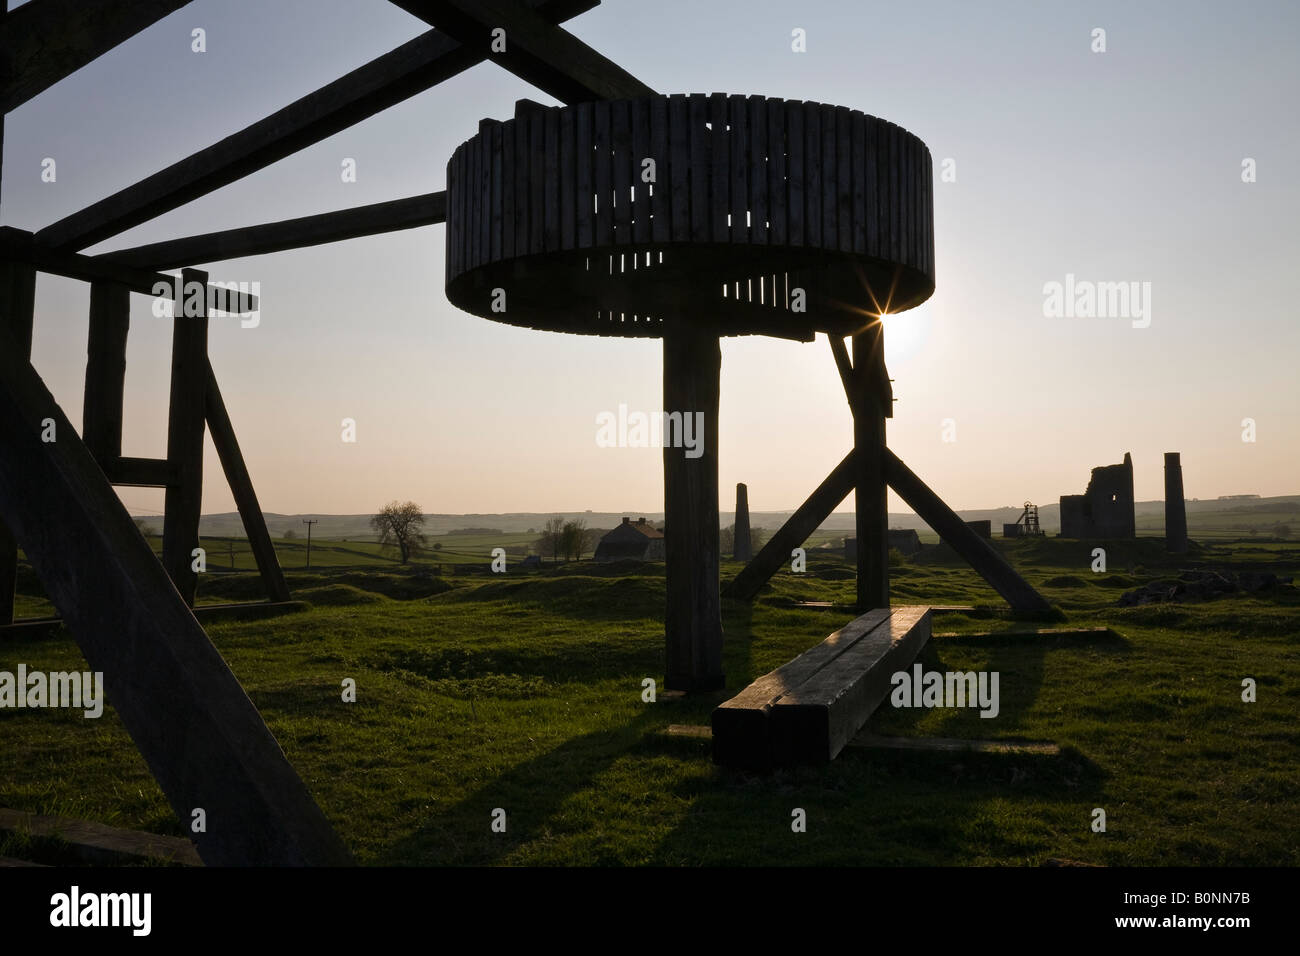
[[1105, 509]]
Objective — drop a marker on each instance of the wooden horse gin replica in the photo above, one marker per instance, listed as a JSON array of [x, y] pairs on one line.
[[691, 217], [624, 212]]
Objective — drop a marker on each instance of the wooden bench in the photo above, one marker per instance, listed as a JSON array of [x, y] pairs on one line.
[[806, 711]]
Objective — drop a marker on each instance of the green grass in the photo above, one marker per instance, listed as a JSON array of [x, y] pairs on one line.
[[524, 692]]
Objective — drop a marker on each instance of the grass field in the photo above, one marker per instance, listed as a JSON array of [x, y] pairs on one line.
[[523, 691]]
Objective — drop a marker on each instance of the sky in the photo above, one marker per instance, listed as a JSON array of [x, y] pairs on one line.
[[1117, 166]]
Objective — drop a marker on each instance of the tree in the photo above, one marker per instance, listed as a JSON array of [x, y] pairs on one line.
[[290, 534], [398, 526], [146, 529], [552, 540], [573, 539]]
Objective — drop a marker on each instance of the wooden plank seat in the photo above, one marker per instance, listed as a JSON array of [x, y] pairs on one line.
[[806, 711]]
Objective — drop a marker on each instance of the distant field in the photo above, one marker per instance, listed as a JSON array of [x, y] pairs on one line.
[[523, 691]]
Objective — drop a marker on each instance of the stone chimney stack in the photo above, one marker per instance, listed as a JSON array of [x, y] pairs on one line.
[[1175, 506], [743, 548]]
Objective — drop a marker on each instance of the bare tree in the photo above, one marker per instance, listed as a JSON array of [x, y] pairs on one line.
[[399, 526]]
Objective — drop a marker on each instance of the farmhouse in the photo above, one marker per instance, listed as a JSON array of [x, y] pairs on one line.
[[632, 541]]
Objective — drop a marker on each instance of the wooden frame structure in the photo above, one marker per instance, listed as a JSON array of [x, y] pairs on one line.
[[131, 614]]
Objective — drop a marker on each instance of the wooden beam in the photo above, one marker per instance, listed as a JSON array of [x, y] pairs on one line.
[[298, 233], [241, 486], [871, 505], [815, 720], [693, 620], [17, 310], [537, 51], [977, 552], [139, 472], [183, 502], [806, 519], [21, 245], [195, 727], [101, 420], [44, 41], [396, 76]]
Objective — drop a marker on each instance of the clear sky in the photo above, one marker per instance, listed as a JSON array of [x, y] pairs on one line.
[[1117, 166]]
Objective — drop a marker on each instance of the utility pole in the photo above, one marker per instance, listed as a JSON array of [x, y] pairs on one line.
[[309, 522]]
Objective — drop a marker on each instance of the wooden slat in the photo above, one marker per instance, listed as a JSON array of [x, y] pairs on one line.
[[194, 725], [523, 202], [895, 194], [241, 487], [740, 204], [813, 175], [720, 164], [484, 193], [537, 181], [873, 187], [498, 199], [741, 729], [641, 149], [584, 122], [858, 158], [795, 172], [413, 67], [660, 202], [777, 166], [537, 51], [551, 182], [568, 191], [621, 132], [110, 319], [455, 190], [679, 133], [844, 178], [43, 41], [830, 179], [813, 722], [300, 233], [603, 140], [758, 185], [507, 159], [184, 498], [699, 133]]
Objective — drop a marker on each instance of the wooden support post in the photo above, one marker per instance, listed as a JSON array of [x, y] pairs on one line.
[[189, 384], [110, 319], [241, 485], [977, 552], [693, 619], [872, 498], [806, 519], [17, 308], [195, 727]]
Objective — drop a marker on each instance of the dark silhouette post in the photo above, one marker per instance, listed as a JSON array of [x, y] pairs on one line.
[[309, 523], [1175, 505], [693, 619], [872, 499], [743, 546]]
